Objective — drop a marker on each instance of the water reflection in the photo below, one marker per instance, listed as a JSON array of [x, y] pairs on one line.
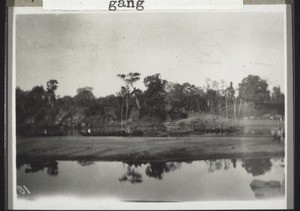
[[171, 181], [52, 167], [233, 161], [131, 174], [257, 166], [157, 170], [267, 189], [85, 162], [220, 164], [254, 166]]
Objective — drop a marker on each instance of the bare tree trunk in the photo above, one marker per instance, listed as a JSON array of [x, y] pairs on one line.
[[50, 101], [23, 109], [137, 102], [122, 105], [240, 108], [234, 109], [127, 107], [169, 102], [136, 99], [198, 104], [220, 108], [245, 107], [226, 106]]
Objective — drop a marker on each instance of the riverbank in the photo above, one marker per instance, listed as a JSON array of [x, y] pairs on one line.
[[145, 148]]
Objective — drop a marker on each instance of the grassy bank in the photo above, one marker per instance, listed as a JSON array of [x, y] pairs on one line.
[[145, 148]]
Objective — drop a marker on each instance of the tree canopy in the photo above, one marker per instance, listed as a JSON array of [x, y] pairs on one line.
[[161, 100], [254, 89]]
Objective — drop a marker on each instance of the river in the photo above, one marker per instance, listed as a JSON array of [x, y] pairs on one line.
[[197, 180]]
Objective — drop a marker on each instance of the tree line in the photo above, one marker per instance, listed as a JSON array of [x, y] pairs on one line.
[[160, 101]]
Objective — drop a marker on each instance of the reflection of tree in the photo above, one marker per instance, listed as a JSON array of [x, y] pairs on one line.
[[153, 169], [135, 164], [85, 162], [131, 175], [157, 169], [19, 163], [52, 167], [257, 166], [233, 162], [266, 189], [218, 164], [226, 164]]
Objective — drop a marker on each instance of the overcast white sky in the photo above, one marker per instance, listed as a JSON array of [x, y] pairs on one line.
[[91, 49]]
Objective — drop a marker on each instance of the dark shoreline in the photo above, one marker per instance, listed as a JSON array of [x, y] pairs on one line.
[[145, 149]]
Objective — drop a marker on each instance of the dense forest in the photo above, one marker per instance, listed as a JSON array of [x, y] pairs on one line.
[[161, 101]]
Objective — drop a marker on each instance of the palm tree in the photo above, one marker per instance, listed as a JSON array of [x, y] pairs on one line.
[[129, 89], [122, 93]]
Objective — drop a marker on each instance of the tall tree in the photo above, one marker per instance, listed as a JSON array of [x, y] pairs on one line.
[[21, 112], [179, 98], [212, 94], [129, 80], [230, 97], [215, 86], [36, 101], [211, 98], [254, 90], [168, 88], [122, 94], [84, 96], [277, 99], [52, 86], [155, 96], [277, 95]]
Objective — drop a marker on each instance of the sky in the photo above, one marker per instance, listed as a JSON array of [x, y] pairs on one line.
[[90, 49]]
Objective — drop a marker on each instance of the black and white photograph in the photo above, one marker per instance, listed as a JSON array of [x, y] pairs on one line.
[[150, 110]]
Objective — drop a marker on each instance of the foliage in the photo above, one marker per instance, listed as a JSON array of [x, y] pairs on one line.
[[257, 166], [52, 85], [84, 96], [160, 101], [154, 103], [128, 92], [254, 89]]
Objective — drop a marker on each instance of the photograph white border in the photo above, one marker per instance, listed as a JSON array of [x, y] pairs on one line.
[[112, 204]]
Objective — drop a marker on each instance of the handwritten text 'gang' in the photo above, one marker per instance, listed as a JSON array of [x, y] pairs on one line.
[[113, 5]]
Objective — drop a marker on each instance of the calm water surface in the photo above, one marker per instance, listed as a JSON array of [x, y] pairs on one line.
[[226, 179]]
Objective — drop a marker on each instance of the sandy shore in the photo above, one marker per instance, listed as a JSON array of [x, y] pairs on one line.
[[145, 148]]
